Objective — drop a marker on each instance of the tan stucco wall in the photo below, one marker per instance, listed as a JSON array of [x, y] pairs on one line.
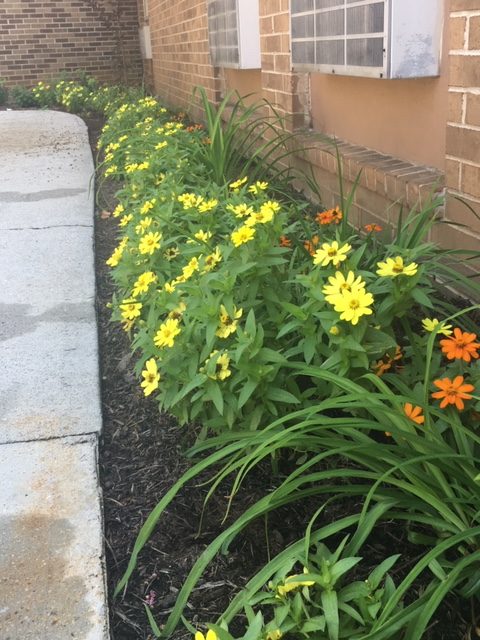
[[245, 81], [403, 118]]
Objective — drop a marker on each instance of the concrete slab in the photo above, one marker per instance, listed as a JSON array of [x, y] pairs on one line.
[[46, 267], [49, 385], [46, 209], [54, 152], [52, 584], [51, 560]]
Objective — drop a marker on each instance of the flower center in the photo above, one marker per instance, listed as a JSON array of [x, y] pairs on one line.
[[354, 304], [332, 252]]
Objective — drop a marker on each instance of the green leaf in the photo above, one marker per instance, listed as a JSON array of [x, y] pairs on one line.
[[152, 622], [289, 327], [280, 395], [330, 609], [377, 342], [215, 394], [309, 348], [250, 326], [247, 390], [255, 628], [295, 311], [377, 574], [316, 623], [193, 384], [341, 567], [421, 297]]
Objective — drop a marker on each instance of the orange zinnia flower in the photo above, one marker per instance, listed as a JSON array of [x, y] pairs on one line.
[[285, 242], [460, 346], [414, 413], [327, 217], [452, 392], [311, 244], [373, 228]]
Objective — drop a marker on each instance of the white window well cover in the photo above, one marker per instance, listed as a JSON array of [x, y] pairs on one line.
[[234, 33], [376, 38]]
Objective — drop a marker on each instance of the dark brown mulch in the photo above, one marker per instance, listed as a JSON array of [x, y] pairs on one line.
[[142, 455]]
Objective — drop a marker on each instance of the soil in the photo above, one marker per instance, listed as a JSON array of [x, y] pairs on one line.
[[142, 455]]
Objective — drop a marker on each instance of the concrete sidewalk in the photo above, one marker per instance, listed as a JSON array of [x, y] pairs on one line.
[[52, 576]]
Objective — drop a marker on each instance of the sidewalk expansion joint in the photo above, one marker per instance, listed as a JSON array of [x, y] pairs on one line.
[[53, 226], [66, 436]]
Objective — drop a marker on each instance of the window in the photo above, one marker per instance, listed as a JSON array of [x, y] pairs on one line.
[[234, 36], [377, 38]]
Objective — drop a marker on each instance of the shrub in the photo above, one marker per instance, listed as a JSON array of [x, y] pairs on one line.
[[23, 97], [3, 93]]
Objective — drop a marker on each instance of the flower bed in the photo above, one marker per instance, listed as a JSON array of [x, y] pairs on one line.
[[284, 332]]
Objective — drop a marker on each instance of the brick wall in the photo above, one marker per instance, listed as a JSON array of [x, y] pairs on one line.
[[181, 58], [463, 130], [41, 38]]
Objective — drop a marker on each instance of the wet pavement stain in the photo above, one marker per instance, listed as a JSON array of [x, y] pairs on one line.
[[38, 599], [36, 196], [16, 321]]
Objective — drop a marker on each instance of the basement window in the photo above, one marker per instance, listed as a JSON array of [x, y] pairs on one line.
[[373, 38], [234, 35]]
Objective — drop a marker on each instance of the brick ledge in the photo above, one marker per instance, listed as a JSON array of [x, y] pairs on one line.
[[394, 179]]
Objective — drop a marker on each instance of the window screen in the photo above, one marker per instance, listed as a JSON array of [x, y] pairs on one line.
[[339, 35], [223, 32]]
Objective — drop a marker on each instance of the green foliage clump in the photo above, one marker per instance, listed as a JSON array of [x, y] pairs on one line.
[[3, 93], [22, 97]]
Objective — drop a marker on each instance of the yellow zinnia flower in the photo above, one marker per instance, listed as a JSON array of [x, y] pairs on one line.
[[115, 257], [240, 210], [170, 286], [150, 242], [242, 235], [238, 183], [293, 582], [207, 205], [119, 209], [151, 377], [130, 309], [352, 304], [211, 635], [270, 206], [228, 324], [147, 206], [143, 225], [339, 283], [431, 324], [166, 334], [276, 634], [331, 253], [212, 260], [393, 267], [125, 220], [143, 282], [201, 236], [221, 371], [190, 269], [258, 186]]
